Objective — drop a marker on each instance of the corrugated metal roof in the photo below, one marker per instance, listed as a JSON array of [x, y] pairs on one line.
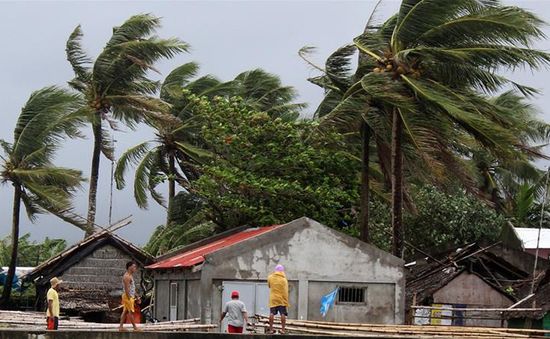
[[528, 237], [196, 256]]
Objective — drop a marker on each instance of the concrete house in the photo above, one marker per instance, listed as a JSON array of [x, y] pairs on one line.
[[92, 274], [197, 280]]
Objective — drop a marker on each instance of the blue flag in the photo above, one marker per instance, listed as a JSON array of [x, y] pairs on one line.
[[327, 301]]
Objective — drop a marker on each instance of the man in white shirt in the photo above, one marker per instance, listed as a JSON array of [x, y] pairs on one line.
[[237, 317]]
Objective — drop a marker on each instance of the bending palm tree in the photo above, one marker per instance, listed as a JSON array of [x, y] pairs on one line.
[[176, 140], [432, 62], [116, 84], [47, 118], [155, 160]]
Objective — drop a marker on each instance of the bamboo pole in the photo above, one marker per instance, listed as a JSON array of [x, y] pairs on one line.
[[477, 309], [418, 327]]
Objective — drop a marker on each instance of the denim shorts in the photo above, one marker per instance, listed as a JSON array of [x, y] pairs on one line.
[[278, 309]]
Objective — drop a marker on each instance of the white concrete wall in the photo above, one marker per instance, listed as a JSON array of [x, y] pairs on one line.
[[312, 252]]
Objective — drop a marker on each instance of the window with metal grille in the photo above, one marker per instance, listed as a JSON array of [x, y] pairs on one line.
[[352, 295]]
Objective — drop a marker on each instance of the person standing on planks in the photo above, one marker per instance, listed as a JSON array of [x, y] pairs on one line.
[[278, 297], [52, 314], [129, 296], [237, 317]]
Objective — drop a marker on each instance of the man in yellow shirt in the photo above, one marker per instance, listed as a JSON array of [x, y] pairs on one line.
[[278, 296], [52, 297]]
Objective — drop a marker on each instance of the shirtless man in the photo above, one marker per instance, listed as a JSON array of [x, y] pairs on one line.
[[129, 296]]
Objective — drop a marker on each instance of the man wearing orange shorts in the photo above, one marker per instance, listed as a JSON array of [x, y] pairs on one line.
[[128, 296]]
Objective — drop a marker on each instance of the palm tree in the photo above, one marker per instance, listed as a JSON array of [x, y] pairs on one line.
[[46, 119], [260, 90], [264, 92], [503, 180], [116, 85], [175, 141], [434, 62], [155, 162]]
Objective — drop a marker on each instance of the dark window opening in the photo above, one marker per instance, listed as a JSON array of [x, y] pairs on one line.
[[354, 295]]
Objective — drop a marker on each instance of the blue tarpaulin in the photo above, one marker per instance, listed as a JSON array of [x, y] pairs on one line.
[[16, 282], [327, 301]]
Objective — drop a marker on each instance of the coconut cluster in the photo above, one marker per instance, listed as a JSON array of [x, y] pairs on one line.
[[97, 104], [389, 65]]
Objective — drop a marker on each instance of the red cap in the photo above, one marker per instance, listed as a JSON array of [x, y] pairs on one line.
[[234, 294]]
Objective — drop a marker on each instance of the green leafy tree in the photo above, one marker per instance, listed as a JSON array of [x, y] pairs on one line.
[[31, 253], [116, 85], [267, 171], [442, 220], [47, 118], [178, 142]]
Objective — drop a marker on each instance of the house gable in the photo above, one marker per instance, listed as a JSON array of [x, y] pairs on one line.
[[302, 246], [469, 289], [59, 264]]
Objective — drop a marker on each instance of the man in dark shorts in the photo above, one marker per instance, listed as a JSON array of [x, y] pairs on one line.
[[278, 296]]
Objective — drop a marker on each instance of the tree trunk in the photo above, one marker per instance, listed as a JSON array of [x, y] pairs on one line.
[[364, 222], [14, 245], [171, 187], [94, 177], [397, 185]]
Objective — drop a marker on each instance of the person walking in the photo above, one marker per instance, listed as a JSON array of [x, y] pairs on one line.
[[237, 316], [278, 297], [129, 296], [52, 298]]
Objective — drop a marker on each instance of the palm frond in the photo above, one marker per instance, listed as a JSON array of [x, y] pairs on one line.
[[177, 79], [62, 178], [492, 25], [135, 28], [45, 119], [129, 158], [491, 135], [197, 154], [141, 178], [416, 17], [78, 60]]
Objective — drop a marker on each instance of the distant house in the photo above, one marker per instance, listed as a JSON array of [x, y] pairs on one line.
[[469, 277], [197, 280], [526, 239], [92, 273]]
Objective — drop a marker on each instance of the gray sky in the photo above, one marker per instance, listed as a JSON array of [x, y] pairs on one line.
[[227, 37]]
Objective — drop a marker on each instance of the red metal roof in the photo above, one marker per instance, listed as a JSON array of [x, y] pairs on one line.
[[196, 256]]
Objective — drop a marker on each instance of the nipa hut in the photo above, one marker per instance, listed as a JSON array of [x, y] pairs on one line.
[[92, 273]]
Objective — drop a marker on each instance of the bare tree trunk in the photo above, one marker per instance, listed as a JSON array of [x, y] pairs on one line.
[[171, 187], [14, 245], [397, 185], [364, 222], [94, 177]]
